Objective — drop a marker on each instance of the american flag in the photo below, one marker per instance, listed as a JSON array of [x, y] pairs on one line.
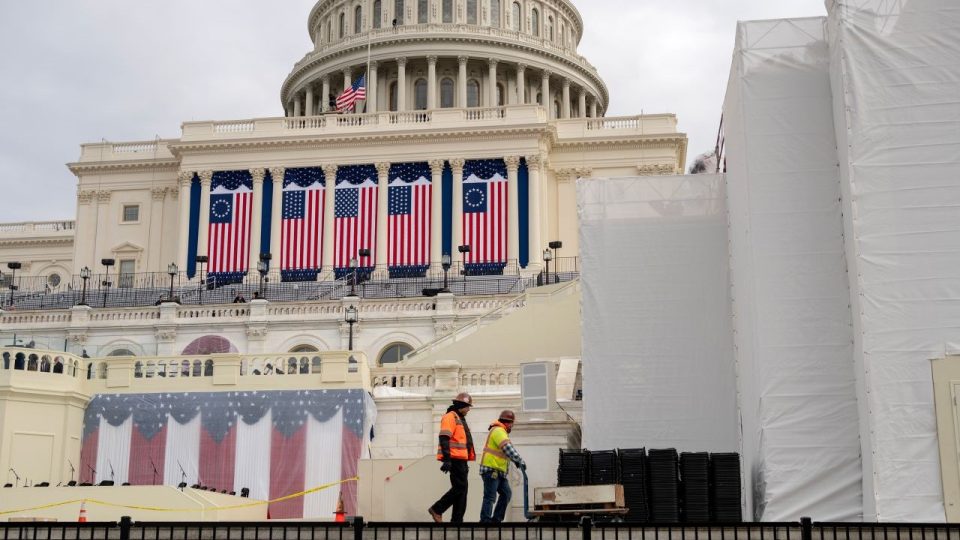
[[485, 211], [231, 205], [349, 98], [355, 215], [302, 224], [409, 214]]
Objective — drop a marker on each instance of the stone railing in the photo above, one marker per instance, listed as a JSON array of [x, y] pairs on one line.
[[37, 226], [138, 148], [42, 361], [425, 381], [125, 151], [650, 124]]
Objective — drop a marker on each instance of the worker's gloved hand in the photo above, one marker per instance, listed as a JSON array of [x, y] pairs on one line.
[[445, 468]]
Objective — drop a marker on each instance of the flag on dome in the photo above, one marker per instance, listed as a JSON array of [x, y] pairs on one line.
[[349, 98], [355, 215], [302, 224], [231, 207], [409, 212], [485, 213]]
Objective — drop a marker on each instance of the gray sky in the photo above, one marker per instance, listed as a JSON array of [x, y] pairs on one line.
[[76, 71]]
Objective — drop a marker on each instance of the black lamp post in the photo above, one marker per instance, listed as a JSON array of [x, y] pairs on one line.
[[555, 246], [547, 257], [13, 266], [445, 263], [354, 263], [84, 275], [350, 316], [263, 266], [201, 260], [172, 270], [106, 279]]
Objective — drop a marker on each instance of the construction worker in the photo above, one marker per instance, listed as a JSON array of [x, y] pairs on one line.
[[455, 451], [498, 452]]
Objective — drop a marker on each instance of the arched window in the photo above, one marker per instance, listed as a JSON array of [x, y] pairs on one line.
[[19, 361], [563, 34], [121, 352], [495, 13], [420, 94], [473, 93], [535, 22], [422, 6], [292, 366], [397, 12], [45, 364], [500, 93], [304, 348], [343, 25], [6, 360], [472, 12], [550, 28], [448, 11], [151, 369], [516, 20], [394, 353], [185, 368], [446, 93], [357, 19], [32, 362], [197, 368], [392, 102], [315, 365], [377, 13], [89, 371], [208, 368]]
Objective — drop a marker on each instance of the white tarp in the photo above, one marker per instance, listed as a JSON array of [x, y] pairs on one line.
[[801, 446], [895, 72], [657, 340]]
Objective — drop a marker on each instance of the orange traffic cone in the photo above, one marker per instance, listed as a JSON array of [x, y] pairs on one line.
[[341, 516], [83, 512]]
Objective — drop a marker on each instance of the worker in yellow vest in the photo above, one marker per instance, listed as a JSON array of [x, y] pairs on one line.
[[498, 452]]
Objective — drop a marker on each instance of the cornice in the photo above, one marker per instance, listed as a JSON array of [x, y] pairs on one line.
[[121, 167], [37, 240], [623, 143]]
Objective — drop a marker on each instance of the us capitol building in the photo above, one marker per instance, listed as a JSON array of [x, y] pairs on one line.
[[228, 259]]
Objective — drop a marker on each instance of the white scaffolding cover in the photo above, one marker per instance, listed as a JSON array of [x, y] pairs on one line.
[[657, 349], [895, 72]]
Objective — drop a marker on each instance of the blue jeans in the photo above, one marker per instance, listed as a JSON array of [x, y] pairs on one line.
[[495, 483]]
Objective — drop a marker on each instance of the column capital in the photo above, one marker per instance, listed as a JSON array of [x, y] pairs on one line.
[[521, 67], [85, 196], [436, 166], [566, 84], [276, 173], [534, 160], [546, 75], [174, 192], [158, 193], [513, 163], [432, 59], [402, 62], [330, 172], [457, 165], [185, 177], [383, 168], [258, 175], [325, 79], [374, 64], [348, 72], [205, 178], [463, 60], [103, 196], [492, 62]]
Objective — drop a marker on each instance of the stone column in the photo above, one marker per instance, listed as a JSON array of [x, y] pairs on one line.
[[330, 173], [462, 83], [492, 82], [309, 109], [381, 269], [593, 107], [521, 84], [545, 94], [325, 98], [401, 84], [513, 213], [436, 215], [296, 105], [206, 177], [256, 218], [582, 104], [184, 178], [276, 213], [431, 82], [372, 88], [536, 188], [565, 99], [347, 78], [158, 196], [457, 225]]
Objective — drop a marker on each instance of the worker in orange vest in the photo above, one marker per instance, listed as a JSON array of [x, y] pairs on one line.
[[455, 451]]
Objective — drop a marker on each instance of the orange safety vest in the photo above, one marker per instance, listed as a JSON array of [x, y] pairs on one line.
[[451, 425]]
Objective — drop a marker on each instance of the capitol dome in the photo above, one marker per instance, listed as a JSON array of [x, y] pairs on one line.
[[428, 54]]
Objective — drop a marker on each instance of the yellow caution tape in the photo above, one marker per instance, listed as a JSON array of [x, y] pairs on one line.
[[201, 509]]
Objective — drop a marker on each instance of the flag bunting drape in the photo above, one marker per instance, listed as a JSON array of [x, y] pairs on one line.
[[485, 215], [409, 211], [228, 233], [301, 242], [355, 217]]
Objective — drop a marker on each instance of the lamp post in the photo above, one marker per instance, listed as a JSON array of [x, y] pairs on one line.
[[354, 263], [84, 275], [445, 263], [13, 266], [201, 260], [547, 257], [172, 270], [555, 245], [263, 266], [464, 249], [106, 279], [350, 316]]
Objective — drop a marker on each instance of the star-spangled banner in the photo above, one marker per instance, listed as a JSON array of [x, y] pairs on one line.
[[409, 211], [355, 215], [301, 243]]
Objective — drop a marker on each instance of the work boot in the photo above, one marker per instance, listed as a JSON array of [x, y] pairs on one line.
[[437, 518]]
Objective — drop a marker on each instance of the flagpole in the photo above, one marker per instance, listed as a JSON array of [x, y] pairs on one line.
[[366, 76]]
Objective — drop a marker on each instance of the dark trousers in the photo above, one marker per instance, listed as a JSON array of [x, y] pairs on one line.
[[456, 496], [496, 489]]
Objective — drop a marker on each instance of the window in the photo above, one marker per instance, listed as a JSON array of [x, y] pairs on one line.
[[53, 280], [550, 28], [131, 213], [121, 352], [516, 16], [422, 11], [397, 12], [343, 25], [127, 268], [473, 93], [357, 20], [500, 94], [539, 98], [556, 109], [377, 13], [471, 11], [446, 93], [495, 13], [304, 348], [563, 34], [394, 353], [393, 96], [448, 11], [535, 22], [420, 94], [329, 30]]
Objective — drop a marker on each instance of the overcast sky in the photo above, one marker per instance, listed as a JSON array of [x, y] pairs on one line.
[[76, 71]]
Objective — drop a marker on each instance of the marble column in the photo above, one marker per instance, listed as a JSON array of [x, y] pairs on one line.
[[513, 213], [401, 84], [492, 83], [457, 226], [436, 215], [431, 82], [565, 99], [206, 177], [372, 88], [158, 197], [535, 189], [593, 107], [582, 104], [521, 84], [380, 261], [330, 174], [184, 178], [276, 213], [309, 109], [462, 83], [545, 94], [325, 97], [256, 218], [347, 78], [296, 105]]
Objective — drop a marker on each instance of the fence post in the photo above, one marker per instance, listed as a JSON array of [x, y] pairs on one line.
[[358, 528], [586, 527], [125, 523], [806, 528]]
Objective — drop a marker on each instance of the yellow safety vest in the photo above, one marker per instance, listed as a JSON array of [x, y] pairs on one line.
[[493, 454]]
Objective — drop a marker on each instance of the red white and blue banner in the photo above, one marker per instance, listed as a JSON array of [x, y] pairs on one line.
[[228, 234], [409, 210], [485, 214], [301, 238], [355, 216], [274, 443]]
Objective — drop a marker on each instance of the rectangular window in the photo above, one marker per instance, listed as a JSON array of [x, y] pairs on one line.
[[495, 13], [127, 269], [471, 11], [448, 11], [397, 12], [131, 213], [422, 11]]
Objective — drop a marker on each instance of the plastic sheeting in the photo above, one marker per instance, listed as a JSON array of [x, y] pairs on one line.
[[801, 446], [657, 340], [896, 79]]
